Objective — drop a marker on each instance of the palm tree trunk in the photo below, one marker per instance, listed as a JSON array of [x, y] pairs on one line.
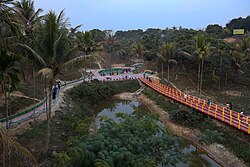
[[226, 82], [7, 109], [162, 70], [49, 117], [3, 155], [201, 76], [168, 71], [199, 73], [34, 88], [220, 73]]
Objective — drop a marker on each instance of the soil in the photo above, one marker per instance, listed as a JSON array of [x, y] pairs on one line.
[[216, 151], [234, 39], [233, 93]]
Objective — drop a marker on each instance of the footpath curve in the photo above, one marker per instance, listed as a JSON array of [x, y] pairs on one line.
[[40, 107]]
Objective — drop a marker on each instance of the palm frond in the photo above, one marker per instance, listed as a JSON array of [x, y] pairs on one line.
[[55, 45], [46, 73], [77, 59], [34, 53], [61, 21], [73, 30], [8, 144], [36, 16]]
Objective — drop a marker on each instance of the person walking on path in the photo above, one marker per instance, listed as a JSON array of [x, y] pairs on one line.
[[59, 85], [54, 91]]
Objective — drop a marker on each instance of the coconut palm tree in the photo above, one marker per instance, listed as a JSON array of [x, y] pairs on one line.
[[55, 51], [9, 24], [167, 51], [202, 50], [29, 19], [138, 50], [8, 76], [86, 42], [28, 15], [12, 153], [245, 47]]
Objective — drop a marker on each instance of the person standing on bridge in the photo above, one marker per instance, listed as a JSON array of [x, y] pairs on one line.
[[208, 102], [231, 105], [185, 96], [241, 115]]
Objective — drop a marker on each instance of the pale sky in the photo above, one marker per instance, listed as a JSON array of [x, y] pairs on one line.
[[143, 14]]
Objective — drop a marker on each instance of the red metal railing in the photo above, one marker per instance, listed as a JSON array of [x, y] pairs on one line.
[[235, 119]]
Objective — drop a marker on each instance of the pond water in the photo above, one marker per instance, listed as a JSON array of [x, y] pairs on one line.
[[109, 108]]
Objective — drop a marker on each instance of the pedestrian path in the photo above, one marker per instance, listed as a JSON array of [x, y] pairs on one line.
[[230, 117], [40, 107]]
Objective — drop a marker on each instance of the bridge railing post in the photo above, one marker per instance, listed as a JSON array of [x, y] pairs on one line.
[[223, 114], [231, 118], [215, 112]]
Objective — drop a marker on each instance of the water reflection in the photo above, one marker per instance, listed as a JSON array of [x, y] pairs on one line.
[[111, 107], [196, 157]]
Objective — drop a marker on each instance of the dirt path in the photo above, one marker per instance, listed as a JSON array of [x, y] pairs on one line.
[[216, 151]]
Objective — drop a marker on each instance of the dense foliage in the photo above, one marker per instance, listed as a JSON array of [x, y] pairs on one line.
[[210, 132], [74, 120], [239, 23], [97, 91], [138, 140], [32, 43]]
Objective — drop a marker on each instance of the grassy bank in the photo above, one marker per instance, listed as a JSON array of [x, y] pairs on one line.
[[74, 118], [210, 132]]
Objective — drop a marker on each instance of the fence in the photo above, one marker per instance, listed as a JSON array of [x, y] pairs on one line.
[[233, 118], [40, 107], [36, 110]]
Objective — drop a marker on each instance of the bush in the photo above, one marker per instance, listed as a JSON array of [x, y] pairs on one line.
[[189, 117], [212, 136], [211, 133]]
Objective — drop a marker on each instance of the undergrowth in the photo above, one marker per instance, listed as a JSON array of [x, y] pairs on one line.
[[210, 132]]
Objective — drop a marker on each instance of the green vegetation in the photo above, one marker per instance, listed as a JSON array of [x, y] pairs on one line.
[[167, 51], [137, 141], [12, 153], [210, 132], [239, 23], [73, 122], [32, 44], [17, 104]]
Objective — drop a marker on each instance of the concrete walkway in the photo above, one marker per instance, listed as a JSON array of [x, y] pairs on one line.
[[70, 84], [38, 111]]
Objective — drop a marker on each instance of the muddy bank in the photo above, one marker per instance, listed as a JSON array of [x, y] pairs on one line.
[[216, 151]]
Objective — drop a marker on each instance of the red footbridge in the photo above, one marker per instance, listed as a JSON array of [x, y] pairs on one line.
[[232, 118]]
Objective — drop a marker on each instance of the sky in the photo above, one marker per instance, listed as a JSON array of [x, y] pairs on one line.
[[142, 14]]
